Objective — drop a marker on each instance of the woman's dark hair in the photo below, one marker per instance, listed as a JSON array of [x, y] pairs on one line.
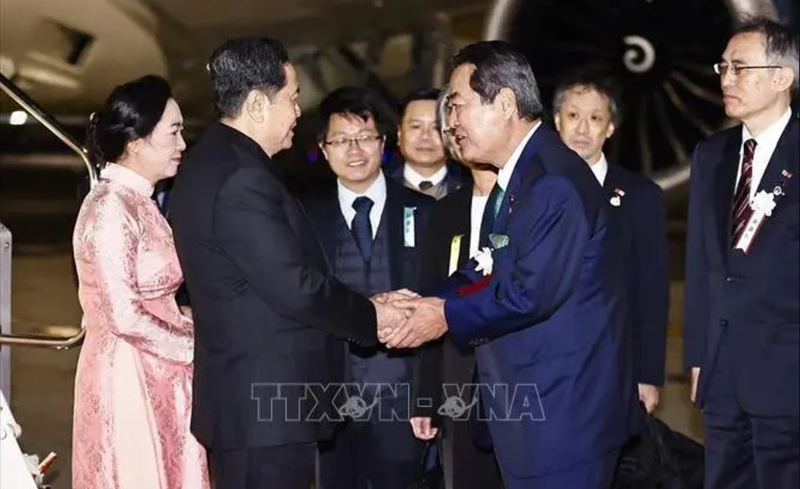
[[131, 112]]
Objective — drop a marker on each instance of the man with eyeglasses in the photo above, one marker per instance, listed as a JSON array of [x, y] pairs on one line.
[[372, 230], [742, 322]]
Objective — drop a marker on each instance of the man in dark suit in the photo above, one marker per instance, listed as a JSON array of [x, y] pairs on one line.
[[372, 230], [586, 115], [270, 319], [425, 166], [543, 303], [743, 269]]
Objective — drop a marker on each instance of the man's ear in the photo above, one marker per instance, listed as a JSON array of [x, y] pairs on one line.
[[507, 102], [324, 151], [557, 120], [255, 104], [784, 79], [611, 129]]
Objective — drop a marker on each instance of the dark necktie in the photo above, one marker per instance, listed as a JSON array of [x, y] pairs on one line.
[[741, 201], [490, 213], [362, 226], [425, 185]]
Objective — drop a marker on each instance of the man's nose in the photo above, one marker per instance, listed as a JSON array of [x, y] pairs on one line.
[[583, 126]]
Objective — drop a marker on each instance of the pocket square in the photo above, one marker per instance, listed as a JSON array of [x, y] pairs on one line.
[[498, 241]]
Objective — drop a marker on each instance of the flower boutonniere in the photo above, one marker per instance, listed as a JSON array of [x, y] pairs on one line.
[[485, 261], [616, 199], [762, 205]]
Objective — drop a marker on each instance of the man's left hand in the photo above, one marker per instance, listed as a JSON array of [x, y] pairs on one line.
[[426, 323]]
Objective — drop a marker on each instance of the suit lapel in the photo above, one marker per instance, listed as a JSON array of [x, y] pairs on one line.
[[612, 180], [331, 218], [725, 181], [777, 164], [393, 220], [528, 169]]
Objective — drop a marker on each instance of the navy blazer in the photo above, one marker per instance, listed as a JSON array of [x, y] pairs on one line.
[[643, 221], [553, 350], [750, 300], [405, 264]]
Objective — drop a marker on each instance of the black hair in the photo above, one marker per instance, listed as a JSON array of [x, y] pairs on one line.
[[431, 94], [497, 66], [242, 65], [131, 112], [356, 101]]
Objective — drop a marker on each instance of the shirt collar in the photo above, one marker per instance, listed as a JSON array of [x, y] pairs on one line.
[[504, 175], [413, 177], [376, 193], [128, 178], [767, 141], [600, 169]]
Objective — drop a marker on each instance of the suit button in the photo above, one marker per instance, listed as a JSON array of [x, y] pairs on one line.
[[730, 280], [723, 323]]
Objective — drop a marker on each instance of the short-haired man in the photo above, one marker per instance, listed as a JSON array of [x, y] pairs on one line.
[[372, 230], [541, 303], [270, 319], [742, 301], [585, 108], [425, 167]]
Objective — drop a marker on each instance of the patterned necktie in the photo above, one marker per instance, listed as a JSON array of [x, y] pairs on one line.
[[741, 201], [490, 213], [362, 226]]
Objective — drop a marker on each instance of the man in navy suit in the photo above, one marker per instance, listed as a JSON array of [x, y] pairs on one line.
[[371, 229], [424, 166], [743, 269], [586, 114], [544, 304]]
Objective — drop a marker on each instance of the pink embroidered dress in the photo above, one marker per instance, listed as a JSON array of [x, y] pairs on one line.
[[133, 384]]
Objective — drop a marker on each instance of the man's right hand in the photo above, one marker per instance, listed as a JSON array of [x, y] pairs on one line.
[[694, 380], [390, 318], [423, 428]]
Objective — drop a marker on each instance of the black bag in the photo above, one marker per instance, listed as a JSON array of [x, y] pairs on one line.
[[660, 459], [430, 477]]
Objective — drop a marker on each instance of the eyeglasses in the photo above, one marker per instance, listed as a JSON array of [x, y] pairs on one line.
[[722, 68], [363, 142]]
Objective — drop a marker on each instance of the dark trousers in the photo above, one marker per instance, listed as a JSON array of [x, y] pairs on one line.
[[370, 455], [597, 474], [465, 465], [745, 451], [284, 467]]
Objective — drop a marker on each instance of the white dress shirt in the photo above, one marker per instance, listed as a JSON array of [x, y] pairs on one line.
[[504, 175], [766, 142], [476, 217], [376, 192], [413, 177], [600, 169]]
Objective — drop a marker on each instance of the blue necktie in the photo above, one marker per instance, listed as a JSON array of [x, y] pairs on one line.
[[362, 226]]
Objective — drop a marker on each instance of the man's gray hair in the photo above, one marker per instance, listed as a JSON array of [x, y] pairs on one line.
[[780, 45]]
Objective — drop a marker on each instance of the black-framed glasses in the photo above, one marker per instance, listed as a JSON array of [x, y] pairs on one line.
[[723, 68], [362, 142]]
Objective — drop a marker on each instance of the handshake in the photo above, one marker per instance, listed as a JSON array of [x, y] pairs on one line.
[[408, 320]]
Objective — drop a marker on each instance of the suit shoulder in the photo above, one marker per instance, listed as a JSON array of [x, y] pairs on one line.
[[637, 182], [410, 197], [718, 141]]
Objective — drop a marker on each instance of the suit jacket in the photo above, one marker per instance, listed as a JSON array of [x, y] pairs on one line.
[[267, 310], [748, 300], [553, 350], [457, 174], [406, 261], [643, 220], [449, 218]]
